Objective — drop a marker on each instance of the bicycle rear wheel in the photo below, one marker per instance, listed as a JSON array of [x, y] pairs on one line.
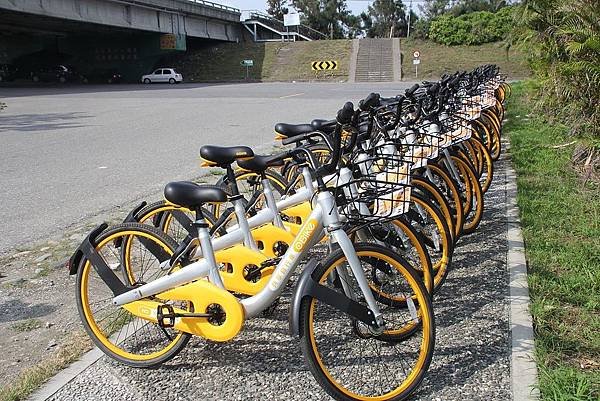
[[117, 332]]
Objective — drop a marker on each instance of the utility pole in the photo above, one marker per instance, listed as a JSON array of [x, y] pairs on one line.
[[409, 15]]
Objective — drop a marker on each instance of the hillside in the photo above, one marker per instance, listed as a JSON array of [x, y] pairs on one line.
[[437, 59], [273, 61], [277, 61]]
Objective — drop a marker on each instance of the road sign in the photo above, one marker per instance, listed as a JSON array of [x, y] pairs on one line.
[[324, 65], [291, 19], [417, 54], [248, 63], [416, 61], [170, 41]]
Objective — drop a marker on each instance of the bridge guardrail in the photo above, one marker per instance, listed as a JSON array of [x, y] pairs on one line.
[[279, 25], [215, 5]]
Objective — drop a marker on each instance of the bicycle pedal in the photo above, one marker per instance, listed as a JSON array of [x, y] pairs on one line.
[[165, 314]]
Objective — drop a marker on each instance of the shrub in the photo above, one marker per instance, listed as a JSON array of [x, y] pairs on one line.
[[471, 29], [562, 38]]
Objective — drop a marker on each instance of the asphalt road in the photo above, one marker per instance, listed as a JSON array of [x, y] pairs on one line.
[[70, 153]]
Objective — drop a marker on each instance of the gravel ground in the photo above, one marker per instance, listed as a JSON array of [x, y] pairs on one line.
[[471, 360]]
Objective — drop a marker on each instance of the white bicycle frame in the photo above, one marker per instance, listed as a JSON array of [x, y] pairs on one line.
[[323, 216]]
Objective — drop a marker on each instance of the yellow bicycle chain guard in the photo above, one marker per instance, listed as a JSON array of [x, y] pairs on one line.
[[201, 294], [300, 212], [267, 237], [234, 260], [293, 228]]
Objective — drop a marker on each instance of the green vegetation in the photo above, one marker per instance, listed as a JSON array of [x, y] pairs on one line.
[[330, 17], [26, 325], [291, 61], [438, 59], [560, 214], [471, 29], [273, 61], [562, 38]]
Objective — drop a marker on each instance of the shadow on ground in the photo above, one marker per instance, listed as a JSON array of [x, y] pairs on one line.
[[42, 122]]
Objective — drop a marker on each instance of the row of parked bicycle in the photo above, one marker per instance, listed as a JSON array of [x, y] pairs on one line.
[[386, 188]]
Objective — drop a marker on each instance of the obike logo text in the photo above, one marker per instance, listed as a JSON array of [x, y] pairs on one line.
[[280, 273], [142, 310], [304, 236]]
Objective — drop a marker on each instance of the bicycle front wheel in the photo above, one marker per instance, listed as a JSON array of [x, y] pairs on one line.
[[353, 361]]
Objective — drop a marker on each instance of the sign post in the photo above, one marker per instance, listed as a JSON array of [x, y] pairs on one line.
[[247, 64], [416, 62], [291, 19]]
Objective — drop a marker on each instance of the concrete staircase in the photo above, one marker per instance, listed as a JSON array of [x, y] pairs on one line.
[[375, 61]]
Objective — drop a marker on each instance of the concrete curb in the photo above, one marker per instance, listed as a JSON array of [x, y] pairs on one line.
[[523, 370], [66, 375]]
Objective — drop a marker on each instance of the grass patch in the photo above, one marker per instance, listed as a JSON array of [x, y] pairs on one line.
[[31, 379], [26, 325], [438, 59], [292, 61], [277, 61], [561, 227], [273, 61]]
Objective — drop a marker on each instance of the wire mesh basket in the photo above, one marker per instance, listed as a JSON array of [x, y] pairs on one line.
[[380, 188], [470, 107], [431, 138], [455, 128]]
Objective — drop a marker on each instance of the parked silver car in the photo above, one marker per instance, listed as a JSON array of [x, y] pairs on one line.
[[163, 75]]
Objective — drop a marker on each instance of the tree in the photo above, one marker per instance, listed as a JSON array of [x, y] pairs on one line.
[[277, 8], [463, 7], [356, 26], [434, 8], [385, 17], [327, 16]]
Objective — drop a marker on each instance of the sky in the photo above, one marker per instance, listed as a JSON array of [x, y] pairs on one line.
[[356, 6]]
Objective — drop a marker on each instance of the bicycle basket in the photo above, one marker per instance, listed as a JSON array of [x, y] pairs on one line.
[[456, 129], [380, 189], [470, 108], [432, 137]]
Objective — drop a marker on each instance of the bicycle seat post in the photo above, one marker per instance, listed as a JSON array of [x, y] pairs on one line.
[[240, 210], [271, 201], [207, 248]]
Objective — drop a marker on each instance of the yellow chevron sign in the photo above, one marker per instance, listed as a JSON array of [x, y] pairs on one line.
[[324, 65]]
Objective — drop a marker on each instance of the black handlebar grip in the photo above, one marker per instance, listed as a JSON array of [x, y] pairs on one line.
[[410, 91], [369, 102], [433, 89], [455, 81], [344, 115]]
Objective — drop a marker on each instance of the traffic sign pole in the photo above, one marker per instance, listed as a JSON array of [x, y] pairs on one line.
[[416, 62]]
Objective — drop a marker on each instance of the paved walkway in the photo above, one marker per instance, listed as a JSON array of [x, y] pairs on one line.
[[471, 361]]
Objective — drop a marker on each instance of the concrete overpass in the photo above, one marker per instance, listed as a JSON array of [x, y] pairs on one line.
[[129, 36], [192, 18]]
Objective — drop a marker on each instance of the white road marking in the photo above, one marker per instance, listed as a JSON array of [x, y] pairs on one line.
[[295, 94]]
